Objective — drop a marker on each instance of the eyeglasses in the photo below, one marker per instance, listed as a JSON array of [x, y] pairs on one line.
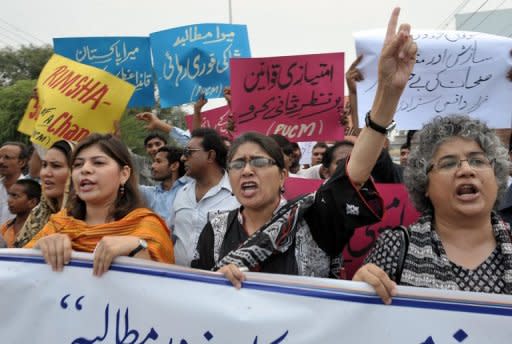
[[187, 152], [258, 162], [478, 163]]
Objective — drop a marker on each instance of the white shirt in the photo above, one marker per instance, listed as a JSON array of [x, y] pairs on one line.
[[311, 173], [190, 217]]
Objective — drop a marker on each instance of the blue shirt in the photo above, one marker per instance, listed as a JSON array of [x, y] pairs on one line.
[[161, 201], [180, 136]]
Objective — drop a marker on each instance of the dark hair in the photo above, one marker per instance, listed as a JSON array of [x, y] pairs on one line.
[[114, 148], [154, 136], [268, 144], [320, 144], [66, 148], [410, 134], [212, 141], [327, 158], [284, 143], [173, 154], [510, 143], [405, 146], [32, 188], [295, 145], [24, 152]]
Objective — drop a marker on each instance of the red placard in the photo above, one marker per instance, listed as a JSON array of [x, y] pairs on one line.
[[216, 119], [398, 211], [299, 97]]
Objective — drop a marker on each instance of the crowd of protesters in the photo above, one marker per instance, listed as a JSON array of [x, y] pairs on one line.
[[212, 203]]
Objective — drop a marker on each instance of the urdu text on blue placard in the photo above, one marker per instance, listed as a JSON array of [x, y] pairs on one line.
[[127, 58], [194, 59]]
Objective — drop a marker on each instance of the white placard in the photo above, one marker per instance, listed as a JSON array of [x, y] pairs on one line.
[[456, 72]]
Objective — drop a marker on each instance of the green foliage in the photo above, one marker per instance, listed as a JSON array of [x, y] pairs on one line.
[[132, 131], [19, 70], [24, 63], [13, 102]]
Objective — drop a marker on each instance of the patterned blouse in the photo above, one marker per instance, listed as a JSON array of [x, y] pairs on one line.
[[427, 265]]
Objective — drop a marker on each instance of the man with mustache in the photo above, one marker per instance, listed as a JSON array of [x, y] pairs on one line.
[[13, 158]]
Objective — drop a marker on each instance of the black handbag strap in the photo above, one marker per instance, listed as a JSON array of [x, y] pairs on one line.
[[404, 247]]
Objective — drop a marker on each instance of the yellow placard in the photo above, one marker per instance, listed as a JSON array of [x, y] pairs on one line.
[[28, 122], [74, 101]]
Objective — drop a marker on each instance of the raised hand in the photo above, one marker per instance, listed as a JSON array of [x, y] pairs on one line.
[[200, 102], [153, 122], [398, 55], [227, 94], [354, 75]]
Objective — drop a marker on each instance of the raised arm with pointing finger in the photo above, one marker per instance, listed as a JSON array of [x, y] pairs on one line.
[[395, 65]]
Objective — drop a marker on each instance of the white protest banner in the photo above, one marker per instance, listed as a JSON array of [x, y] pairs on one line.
[[456, 72], [142, 302]]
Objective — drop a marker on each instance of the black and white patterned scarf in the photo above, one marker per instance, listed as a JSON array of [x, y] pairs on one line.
[[276, 236]]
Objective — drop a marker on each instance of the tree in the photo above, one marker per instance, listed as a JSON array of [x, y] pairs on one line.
[[13, 102], [24, 63]]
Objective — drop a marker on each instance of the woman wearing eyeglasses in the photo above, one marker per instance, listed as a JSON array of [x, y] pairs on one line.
[[305, 236], [455, 177]]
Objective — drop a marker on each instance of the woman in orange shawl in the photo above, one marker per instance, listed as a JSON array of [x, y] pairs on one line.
[[105, 216]]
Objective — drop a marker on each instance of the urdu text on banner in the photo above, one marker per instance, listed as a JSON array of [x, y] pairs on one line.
[[128, 58], [76, 100], [144, 302], [456, 72], [299, 97], [194, 59]]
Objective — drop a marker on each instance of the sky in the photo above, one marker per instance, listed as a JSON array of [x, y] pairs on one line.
[[276, 27]]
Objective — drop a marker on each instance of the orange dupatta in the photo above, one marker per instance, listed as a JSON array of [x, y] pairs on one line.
[[141, 222]]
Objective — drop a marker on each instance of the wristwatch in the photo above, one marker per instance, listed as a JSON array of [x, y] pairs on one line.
[[143, 245], [378, 128]]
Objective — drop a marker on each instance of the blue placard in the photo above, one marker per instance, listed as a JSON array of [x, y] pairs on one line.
[[194, 59], [125, 57]]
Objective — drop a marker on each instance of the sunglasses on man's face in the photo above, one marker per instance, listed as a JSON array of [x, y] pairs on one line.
[[187, 152]]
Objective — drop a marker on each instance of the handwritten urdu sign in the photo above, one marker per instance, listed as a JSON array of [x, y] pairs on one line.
[[143, 302], [194, 59], [76, 100], [128, 58], [299, 97], [456, 72]]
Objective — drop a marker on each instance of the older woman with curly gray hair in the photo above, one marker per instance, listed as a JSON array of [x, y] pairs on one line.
[[455, 176]]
